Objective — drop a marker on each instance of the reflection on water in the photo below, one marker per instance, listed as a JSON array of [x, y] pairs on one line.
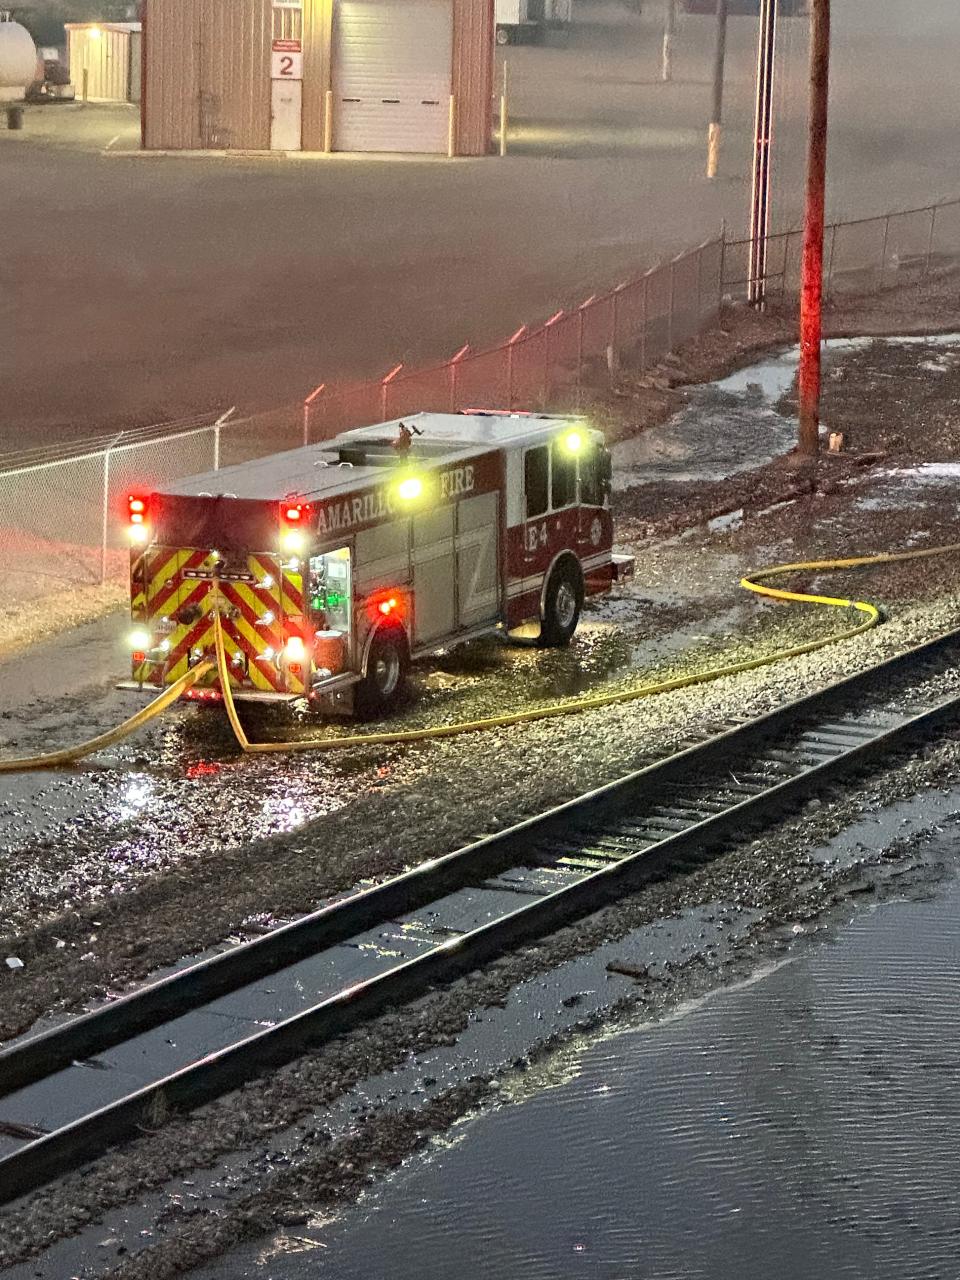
[[805, 1125]]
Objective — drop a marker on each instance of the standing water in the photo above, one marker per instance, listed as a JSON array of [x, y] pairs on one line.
[[804, 1125]]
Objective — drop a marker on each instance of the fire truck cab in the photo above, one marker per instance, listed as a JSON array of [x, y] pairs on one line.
[[334, 565]]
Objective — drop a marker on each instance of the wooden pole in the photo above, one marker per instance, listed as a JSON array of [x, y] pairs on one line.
[[716, 116], [811, 289]]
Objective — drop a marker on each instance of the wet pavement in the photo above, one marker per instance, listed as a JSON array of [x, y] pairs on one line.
[[802, 1124]]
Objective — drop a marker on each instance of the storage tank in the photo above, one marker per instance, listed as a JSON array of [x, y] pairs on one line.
[[18, 61]]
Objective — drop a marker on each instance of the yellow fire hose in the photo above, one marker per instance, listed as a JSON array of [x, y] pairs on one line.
[[70, 755], [752, 582]]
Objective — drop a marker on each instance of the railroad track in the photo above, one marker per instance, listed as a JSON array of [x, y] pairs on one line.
[[69, 1094]]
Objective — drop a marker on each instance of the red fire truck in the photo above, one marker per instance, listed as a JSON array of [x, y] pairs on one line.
[[334, 565]]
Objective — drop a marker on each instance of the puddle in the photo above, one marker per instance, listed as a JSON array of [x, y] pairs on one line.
[[733, 425]]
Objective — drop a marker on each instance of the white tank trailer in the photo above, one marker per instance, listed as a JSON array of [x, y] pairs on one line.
[[18, 61]]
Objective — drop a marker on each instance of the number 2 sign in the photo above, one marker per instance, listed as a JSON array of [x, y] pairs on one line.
[[286, 60]]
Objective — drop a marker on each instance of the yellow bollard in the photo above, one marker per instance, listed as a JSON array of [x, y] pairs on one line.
[[328, 121]]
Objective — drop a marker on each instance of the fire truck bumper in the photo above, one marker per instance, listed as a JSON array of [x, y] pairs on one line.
[[205, 693], [624, 568]]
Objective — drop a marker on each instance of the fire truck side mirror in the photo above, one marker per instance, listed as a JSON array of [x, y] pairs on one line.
[[605, 469]]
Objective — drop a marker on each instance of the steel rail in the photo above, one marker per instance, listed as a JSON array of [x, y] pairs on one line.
[[838, 750]]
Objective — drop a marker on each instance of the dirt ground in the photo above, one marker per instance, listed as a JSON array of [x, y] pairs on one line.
[[137, 290], [142, 894]]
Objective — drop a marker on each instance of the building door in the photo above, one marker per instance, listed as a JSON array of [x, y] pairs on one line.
[[285, 115], [392, 73]]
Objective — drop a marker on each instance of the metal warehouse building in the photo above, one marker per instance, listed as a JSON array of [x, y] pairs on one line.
[[104, 59], [319, 75]]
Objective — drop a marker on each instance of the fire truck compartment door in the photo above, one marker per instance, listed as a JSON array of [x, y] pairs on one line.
[[478, 559], [434, 568]]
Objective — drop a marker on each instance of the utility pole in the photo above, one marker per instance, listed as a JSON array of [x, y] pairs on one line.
[[811, 288], [762, 140], [669, 31], [716, 117]]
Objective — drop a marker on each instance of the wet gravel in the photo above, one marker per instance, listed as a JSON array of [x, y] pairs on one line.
[[159, 861], [775, 881]]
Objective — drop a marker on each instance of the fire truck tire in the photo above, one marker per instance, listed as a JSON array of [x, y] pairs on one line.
[[562, 603], [384, 685]]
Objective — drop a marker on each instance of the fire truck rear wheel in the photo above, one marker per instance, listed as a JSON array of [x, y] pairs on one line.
[[384, 686], [562, 604]]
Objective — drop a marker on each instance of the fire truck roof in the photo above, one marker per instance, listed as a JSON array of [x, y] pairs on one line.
[[358, 458]]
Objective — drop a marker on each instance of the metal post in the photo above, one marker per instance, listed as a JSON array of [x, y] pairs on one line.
[[673, 291], [510, 346], [833, 250], [308, 410], [581, 314], [220, 423], [504, 114], [811, 290], [763, 129], [105, 515], [644, 310], [452, 128], [716, 116], [454, 368], [385, 390], [930, 242], [883, 253], [723, 264], [547, 330], [328, 121], [669, 30], [699, 290]]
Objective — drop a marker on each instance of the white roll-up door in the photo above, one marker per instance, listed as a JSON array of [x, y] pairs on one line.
[[392, 71]]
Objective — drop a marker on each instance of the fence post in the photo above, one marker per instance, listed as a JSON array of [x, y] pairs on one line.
[[833, 247], [308, 409], [105, 515], [547, 381], [217, 426], [644, 315], [883, 253], [385, 390], [723, 264], [581, 313], [328, 121], [510, 346], [673, 289], [699, 288], [454, 368], [929, 257]]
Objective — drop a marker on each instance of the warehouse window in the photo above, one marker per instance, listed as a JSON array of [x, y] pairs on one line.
[[536, 480]]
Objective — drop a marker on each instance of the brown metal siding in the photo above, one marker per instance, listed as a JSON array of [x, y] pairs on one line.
[[317, 41], [235, 38], [473, 62], [171, 93], [208, 74]]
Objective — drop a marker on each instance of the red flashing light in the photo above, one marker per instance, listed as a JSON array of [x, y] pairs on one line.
[[137, 509], [139, 657], [295, 512], [387, 607]]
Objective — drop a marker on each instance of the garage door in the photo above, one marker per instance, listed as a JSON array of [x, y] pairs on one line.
[[392, 63]]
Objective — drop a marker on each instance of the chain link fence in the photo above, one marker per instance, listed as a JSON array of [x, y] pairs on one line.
[[549, 366], [861, 257], [63, 510]]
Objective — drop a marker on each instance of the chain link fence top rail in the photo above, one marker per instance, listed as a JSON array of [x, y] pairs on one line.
[[62, 508], [549, 366], [864, 256]]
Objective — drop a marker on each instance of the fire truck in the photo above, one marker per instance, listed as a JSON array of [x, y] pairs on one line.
[[333, 566]]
